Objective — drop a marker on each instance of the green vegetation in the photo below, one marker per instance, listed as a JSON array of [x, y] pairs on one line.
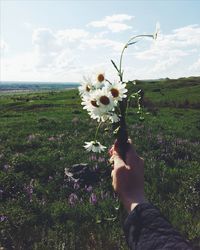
[[41, 134]]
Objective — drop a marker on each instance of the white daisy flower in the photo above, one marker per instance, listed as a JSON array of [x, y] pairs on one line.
[[99, 116], [100, 79], [114, 118], [91, 104], [104, 100], [94, 146], [157, 31], [99, 99], [86, 86], [96, 114], [100, 105], [104, 117], [89, 101], [117, 90]]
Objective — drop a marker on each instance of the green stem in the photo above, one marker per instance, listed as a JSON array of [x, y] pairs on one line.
[[122, 135], [127, 104], [126, 46], [98, 127], [108, 81]]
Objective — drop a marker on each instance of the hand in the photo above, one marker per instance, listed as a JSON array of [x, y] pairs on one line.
[[128, 178]]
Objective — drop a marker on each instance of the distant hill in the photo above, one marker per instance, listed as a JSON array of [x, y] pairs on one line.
[[35, 86], [178, 93]]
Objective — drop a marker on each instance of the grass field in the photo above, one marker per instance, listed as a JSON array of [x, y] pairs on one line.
[[41, 134]]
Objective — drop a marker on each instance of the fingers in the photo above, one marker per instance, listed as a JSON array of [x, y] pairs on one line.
[[111, 161], [118, 160], [115, 159], [110, 152], [115, 147]]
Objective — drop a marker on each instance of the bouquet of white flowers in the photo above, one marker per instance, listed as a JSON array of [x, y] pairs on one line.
[[106, 101]]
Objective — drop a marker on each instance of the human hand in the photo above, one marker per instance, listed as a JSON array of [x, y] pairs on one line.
[[128, 178]]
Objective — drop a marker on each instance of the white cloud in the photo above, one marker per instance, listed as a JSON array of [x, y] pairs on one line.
[[115, 23], [27, 25], [56, 49], [187, 36], [181, 42], [195, 67], [65, 55], [172, 52], [118, 18], [71, 35], [3, 46], [18, 67], [53, 57], [104, 43]]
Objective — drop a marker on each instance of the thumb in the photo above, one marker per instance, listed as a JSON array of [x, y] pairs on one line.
[[118, 162]]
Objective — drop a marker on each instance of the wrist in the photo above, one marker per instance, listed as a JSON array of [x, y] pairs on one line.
[[129, 205]]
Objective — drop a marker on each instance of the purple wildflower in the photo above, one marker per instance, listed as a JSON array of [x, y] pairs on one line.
[[76, 186], [73, 198], [93, 158], [95, 167], [50, 178], [6, 166], [160, 139], [88, 189], [51, 138], [93, 198], [101, 159], [1, 193], [3, 218]]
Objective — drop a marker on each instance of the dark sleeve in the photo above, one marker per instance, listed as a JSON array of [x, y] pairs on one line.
[[146, 229]]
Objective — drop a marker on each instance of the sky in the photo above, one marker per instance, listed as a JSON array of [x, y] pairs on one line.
[[63, 40]]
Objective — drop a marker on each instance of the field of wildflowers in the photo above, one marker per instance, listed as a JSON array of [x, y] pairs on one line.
[[54, 195]]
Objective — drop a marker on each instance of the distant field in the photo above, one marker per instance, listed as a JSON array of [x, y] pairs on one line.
[[43, 133], [21, 87]]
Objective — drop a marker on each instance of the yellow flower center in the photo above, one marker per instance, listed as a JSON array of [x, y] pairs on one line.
[[114, 92], [96, 144], [94, 103], [100, 78], [104, 100], [88, 88]]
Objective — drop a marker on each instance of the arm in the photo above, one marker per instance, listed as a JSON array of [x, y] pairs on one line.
[[145, 228]]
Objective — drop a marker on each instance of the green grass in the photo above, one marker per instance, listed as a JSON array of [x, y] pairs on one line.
[[43, 133]]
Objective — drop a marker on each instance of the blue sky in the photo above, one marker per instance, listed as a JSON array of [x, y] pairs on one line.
[[63, 40]]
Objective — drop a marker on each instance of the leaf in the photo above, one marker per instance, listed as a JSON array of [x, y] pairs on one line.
[[132, 43], [133, 96], [134, 82], [116, 130], [114, 65], [110, 219], [141, 118]]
